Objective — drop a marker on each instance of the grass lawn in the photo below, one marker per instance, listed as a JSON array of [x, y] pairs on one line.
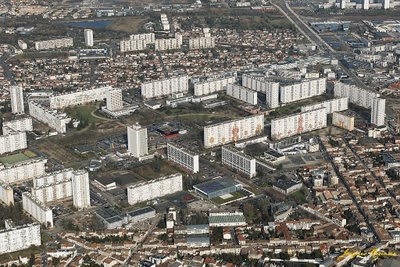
[[235, 195], [12, 159], [82, 113], [128, 24], [148, 171], [299, 197]]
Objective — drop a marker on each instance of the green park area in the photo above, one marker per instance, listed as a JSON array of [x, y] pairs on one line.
[[155, 169]]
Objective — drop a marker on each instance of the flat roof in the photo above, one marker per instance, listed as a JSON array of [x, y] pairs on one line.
[[285, 183], [216, 185], [140, 211], [227, 218]]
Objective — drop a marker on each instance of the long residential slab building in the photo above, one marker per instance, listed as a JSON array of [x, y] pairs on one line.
[[15, 238], [155, 188], [212, 85], [51, 117], [356, 95], [233, 131], [239, 161], [54, 43], [165, 87], [12, 141], [333, 105], [183, 157], [22, 171], [37, 209], [242, 93], [298, 123]]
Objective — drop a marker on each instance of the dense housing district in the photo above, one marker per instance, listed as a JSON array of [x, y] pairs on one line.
[[199, 133]]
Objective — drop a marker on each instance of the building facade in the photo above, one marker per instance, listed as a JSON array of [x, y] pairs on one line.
[[37, 209], [343, 120], [80, 189], [88, 33], [13, 141], [378, 111], [17, 100], [53, 44], [356, 95], [298, 123], [302, 90], [233, 131], [242, 93], [79, 97], [20, 124], [155, 188], [137, 140], [16, 238], [260, 84], [183, 157], [54, 119], [165, 87], [212, 85], [114, 100], [6, 194], [334, 105], [23, 171], [239, 161]]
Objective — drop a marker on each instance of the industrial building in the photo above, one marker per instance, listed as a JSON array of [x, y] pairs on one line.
[[17, 100], [378, 112], [356, 95], [15, 238], [54, 119], [298, 123], [260, 84], [53, 44], [165, 87], [137, 141], [217, 187], [233, 131], [37, 209], [303, 90], [23, 170], [153, 189], [183, 157], [212, 85], [242, 93], [334, 105], [239, 161], [141, 214]]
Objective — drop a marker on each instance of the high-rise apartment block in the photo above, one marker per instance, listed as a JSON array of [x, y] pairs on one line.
[[54, 119], [6, 194], [88, 33], [80, 189], [260, 84], [55, 43], [20, 124], [137, 141], [12, 141], [378, 111], [17, 100], [356, 95], [37, 209], [242, 93], [165, 87], [212, 85], [15, 238], [114, 100], [333, 105], [239, 161], [22, 171], [155, 188], [183, 157]]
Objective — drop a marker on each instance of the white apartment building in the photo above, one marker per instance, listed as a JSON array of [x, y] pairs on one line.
[[148, 37], [88, 33], [20, 124], [132, 45], [155, 188], [242, 93], [169, 43], [54, 119], [356, 95], [79, 97], [233, 131], [366, 4], [80, 189], [165, 23], [201, 43], [333, 105], [6, 194], [53, 44], [23, 45], [212, 85], [23, 170], [53, 192], [183, 157], [114, 100], [13, 141], [53, 177], [260, 84], [137, 141], [37, 209], [17, 100], [15, 238], [165, 87], [378, 112], [298, 123], [343, 120], [239, 161], [302, 90]]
